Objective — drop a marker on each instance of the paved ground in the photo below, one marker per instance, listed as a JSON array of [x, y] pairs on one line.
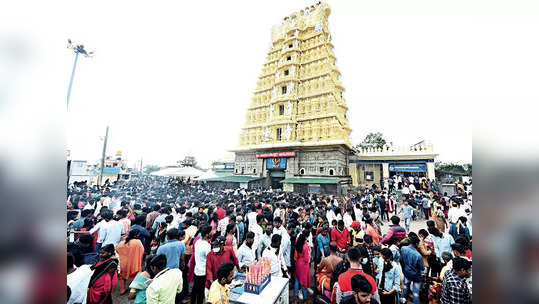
[[414, 226]]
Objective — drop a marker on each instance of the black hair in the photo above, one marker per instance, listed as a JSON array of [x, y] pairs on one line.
[[387, 253], [340, 223], [367, 239], [361, 284], [276, 240], [354, 254], [333, 247], [430, 223], [159, 261], [300, 241], [133, 234], [224, 270], [461, 264], [229, 227], [395, 220], [423, 232], [107, 214], [413, 238], [86, 212], [277, 220], [250, 235], [172, 234], [108, 248], [259, 218], [205, 230], [458, 248]]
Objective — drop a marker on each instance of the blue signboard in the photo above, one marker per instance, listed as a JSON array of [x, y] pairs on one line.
[[276, 163], [408, 168]]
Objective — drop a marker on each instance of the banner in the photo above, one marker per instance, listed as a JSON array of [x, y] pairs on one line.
[[275, 154], [276, 163], [408, 168]]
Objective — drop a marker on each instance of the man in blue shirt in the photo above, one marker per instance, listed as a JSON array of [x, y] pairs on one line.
[[144, 235], [85, 213], [173, 249], [413, 267], [407, 211]]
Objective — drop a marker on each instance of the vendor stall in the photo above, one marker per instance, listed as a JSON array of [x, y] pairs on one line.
[[276, 292]]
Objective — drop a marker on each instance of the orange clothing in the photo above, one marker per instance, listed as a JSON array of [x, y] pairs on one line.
[[374, 234], [130, 258]]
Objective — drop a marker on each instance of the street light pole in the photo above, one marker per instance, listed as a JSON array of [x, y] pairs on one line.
[[78, 49], [103, 157], [71, 80]]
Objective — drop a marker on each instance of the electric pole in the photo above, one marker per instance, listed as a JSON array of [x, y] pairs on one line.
[[103, 157]]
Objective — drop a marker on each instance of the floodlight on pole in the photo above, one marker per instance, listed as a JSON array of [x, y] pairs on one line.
[[78, 49]]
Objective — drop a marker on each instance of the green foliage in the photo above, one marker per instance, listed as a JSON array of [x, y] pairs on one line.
[[372, 140], [455, 168]]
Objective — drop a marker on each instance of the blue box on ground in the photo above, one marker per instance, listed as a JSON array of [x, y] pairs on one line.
[[257, 289]]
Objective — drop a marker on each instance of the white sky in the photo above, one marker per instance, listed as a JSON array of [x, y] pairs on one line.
[[175, 77]]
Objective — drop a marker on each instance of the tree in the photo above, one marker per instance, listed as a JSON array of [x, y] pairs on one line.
[[188, 161], [150, 168], [372, 140], [452, 167]]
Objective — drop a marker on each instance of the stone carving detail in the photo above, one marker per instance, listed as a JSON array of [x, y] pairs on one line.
[[267, 134], [271, 110], [287, 132], [274, 92], [318, 27], [294, 56], [296, 33], [293, 22], [291, 87], [292, 70], [277, 75], [289, 108]]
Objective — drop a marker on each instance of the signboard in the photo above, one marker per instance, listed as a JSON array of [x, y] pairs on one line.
[[275, 154], [276, 163], [288, 187], [408, 168], [313, 188]]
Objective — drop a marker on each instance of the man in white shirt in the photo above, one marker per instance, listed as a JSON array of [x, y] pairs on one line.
[[276, 256], [256, 228], [454, 213], [246, 254], [221, 225], [348, 218], [77, 280], [330, 215], [251, 217], [167, 283], [109, 231], [202, 248]]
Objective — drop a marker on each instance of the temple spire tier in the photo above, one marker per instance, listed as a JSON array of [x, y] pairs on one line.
[[299, 95]]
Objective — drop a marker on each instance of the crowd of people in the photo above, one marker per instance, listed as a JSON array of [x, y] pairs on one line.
[[166, 241]]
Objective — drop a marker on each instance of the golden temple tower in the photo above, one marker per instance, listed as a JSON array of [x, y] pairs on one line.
[[296, 132], [298, 99]]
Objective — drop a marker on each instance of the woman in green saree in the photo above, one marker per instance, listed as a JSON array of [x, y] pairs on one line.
[[138, 285]]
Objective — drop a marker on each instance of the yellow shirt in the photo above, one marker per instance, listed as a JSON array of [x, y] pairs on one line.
[[218, 293]]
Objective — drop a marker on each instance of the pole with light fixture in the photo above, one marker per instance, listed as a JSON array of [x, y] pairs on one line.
[[78, 49]]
